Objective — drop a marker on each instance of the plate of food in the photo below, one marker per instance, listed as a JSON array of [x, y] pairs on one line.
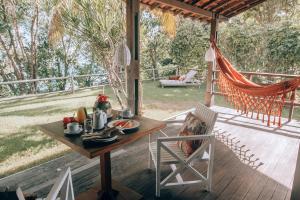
[[126, 125]]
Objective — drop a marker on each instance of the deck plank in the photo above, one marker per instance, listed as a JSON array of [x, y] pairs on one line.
[[238, 138]]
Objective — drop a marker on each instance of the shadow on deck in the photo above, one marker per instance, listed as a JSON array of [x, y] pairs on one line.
[[252, 161]]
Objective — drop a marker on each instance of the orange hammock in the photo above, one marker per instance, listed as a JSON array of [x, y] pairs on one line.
[[249, 97]]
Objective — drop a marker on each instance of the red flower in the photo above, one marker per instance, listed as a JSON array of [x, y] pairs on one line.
[[102, 98]]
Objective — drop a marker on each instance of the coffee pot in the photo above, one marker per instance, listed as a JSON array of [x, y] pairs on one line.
[[99, 119]]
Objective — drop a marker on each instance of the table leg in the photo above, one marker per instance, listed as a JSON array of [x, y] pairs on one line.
[[110, 190], [106, 193]]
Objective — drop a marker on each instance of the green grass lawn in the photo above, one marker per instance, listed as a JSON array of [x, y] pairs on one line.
[[22, 144]]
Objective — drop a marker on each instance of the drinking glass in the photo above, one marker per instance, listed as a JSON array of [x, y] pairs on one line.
[[88, 125]]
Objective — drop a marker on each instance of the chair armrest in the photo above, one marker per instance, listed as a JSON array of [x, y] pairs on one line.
[[182, 138]]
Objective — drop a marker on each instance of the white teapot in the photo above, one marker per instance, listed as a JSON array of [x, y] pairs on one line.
[[99, 119]]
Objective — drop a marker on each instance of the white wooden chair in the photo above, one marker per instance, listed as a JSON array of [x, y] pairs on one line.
[[62, 188], [166, 151]]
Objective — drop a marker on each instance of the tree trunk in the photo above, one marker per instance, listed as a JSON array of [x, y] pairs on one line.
[[34, 32]]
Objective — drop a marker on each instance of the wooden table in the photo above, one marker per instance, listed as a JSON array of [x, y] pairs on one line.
[[109, 189]]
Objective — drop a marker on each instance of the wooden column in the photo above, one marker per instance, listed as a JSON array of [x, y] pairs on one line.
[[134, 89], [209, 97], [296, 184]]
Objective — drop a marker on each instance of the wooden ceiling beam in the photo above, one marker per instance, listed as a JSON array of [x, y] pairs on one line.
[[195, 2], [221, 5], [200, 3], [153, 6], [203, 8], [231, 6], [188, 8], [238, 5], [242, 9], [207, 3]]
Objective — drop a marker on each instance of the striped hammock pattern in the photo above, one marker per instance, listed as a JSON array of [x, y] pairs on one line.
[[264, 102]]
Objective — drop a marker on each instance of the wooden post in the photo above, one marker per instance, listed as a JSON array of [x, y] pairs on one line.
[[296, 184], [292, 106], [134, 87], [209, 97]]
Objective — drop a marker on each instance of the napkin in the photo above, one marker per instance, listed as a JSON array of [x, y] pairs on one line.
[[102, 136]]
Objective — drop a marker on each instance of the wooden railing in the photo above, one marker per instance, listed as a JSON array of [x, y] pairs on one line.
[[250, 76], [71, 80]]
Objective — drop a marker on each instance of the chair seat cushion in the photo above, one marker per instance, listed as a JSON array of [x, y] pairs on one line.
[[192, 126], [181, 78], [167, 158], [174, 77]]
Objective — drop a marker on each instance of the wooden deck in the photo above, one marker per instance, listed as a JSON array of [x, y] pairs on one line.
[[252, 161]]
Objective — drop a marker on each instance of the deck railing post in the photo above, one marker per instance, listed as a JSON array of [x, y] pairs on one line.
[[72, 84], [153, 71], [34, 86], [292, 107]]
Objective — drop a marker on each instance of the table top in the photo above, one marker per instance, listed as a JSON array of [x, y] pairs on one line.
[[56, 131]]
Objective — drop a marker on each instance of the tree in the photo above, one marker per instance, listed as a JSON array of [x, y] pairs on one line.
[[156, 43], [271, 12], [190, 44], [19, 47], [100, 25]]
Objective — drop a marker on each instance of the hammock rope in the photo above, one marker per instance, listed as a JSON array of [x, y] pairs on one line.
[[266, 101]]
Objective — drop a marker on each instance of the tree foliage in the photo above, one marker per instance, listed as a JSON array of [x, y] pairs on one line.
[[190, 44], [83, 34], [97, 24]]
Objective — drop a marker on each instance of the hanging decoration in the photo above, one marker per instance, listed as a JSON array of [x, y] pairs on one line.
[[210, 55], [122, 55]]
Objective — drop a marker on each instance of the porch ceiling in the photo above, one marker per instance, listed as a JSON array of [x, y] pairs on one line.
[[203, 9]]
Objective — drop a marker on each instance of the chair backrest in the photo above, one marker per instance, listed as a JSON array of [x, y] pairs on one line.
[[63, 187], [190, 75], [207, 115]]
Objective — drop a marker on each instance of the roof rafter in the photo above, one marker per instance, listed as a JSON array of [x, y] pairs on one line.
[[203, 9], [189, 8], [245, 7]]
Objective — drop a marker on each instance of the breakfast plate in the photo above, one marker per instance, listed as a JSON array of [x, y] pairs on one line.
[[124, 124]]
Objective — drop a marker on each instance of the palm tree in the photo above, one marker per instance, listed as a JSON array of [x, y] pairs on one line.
[[99, 26]]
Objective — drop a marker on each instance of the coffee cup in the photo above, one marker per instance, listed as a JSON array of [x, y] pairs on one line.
[[74, 127], [127, 113]]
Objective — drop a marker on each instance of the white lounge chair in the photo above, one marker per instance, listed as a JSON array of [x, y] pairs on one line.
[[187, 81], [166, 151]]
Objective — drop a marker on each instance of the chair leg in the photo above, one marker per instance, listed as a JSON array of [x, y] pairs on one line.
[[149, 154], [157, 192], [149, 160], [210, 165]]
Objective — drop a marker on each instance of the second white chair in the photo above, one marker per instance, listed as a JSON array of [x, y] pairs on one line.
[[166, 151]]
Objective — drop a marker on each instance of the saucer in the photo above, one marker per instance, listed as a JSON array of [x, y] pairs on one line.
[[127, 116], [78, 132]]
